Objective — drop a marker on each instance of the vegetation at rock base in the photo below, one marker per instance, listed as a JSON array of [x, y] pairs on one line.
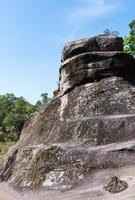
[[129, 41], [14, 111]]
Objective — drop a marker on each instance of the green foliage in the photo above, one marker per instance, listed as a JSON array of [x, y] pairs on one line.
[[132, 27], [129, 41], [13, 114], [111, 32], [44, 100]]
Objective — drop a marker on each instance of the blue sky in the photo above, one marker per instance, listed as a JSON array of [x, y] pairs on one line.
[[33, 33]]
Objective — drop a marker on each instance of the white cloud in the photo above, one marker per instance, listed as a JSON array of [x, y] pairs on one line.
[[91, 9]]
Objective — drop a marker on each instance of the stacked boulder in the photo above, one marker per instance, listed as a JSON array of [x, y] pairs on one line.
[[93, 59], [89, 124]]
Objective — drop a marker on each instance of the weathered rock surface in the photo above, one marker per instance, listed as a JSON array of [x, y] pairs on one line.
[[115, 185], [98, 43], [89, 124], [95, 66]]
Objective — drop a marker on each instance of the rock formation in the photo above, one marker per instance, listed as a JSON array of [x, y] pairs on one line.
[[89, 124], [115, 185]]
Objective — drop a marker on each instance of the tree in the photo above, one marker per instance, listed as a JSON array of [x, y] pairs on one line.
[[132, 27], [13, 114], [129, 41], [44, 100], [111, 32], [6, 103], [14, 111]]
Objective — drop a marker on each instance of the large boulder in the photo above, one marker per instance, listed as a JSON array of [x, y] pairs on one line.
[[97, 43], [89, 124], [95, 66]]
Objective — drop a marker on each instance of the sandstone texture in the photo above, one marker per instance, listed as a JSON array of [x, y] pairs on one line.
[[100, 43], [89, 124], [115, 185]]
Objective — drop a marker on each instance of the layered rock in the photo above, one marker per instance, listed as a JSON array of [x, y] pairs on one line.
[[89, 124], [100, 43], [115, 185], [95, 66]]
